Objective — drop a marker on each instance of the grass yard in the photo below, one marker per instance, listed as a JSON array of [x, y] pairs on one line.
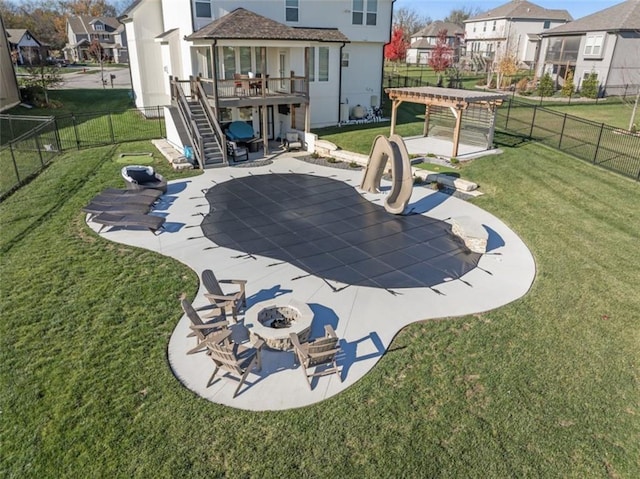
[[547, 386], [80, 101]]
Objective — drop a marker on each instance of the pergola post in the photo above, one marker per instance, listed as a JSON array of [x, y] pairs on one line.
[[394, 113], [427, 114], [492, 125], [456, 131]]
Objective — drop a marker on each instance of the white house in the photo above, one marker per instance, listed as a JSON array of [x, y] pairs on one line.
[[27, 48], [83, 29], [606, 43], [326, 57], [424, 41], [513, 27]]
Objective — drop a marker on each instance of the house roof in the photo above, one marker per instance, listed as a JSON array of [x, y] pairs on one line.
[[243, 24], [85, 24], [623, 16], [14, 35], [521, 9], [433, 28]]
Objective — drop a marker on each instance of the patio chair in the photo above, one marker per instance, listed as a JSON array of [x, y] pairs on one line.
[[293, 141], [199, 328], [234, 300], [123, 208], [126, 193], [108, 199], [138, 177], [317, 353], [125, 220], [238, 153], [233, 359]]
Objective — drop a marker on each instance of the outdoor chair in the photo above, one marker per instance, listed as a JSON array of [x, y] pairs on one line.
[[108, 199], [137, 177], [199, 328], [234, 300], [126, 193], [238, 153], [231, 358], [94, 209], [293, 141], [317, 353], [125, 220]]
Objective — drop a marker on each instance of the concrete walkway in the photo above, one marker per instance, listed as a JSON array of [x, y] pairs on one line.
[[366, 319]]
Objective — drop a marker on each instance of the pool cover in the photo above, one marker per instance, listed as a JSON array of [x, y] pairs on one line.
[[326, 228]]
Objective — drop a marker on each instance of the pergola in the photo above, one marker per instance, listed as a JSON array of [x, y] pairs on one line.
[[456, 100]]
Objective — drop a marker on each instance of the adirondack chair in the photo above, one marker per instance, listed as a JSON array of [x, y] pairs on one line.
[[199, 328], [234, 300], [317, 353], [233, 359]]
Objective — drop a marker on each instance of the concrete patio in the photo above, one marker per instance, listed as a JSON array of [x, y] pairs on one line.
[[365, 318]]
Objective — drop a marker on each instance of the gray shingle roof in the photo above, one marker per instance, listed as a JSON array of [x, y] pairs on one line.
[[522, 9], [623, 16], [433, 28], [243, 24], [82, 24]]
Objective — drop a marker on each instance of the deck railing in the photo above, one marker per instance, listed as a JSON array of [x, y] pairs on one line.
[[257, 87]]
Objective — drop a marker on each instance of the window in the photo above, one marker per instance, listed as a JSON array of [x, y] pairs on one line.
[[98, 26], [229, 62], [474, 28], [258, 60], [203, 9], [358, 12], [484, 27], [312, 64], [291, 10], [345, 59], [494, 26], [245, 60], [547, 24], [322, 68], [593, 45]]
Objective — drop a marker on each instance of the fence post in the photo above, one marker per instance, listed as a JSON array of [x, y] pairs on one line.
[[595, 156], [160, 121], [37, 140], [562, 131], [75, 130], [13, 158], [506, 121], [533, 121], [57, 134], [113, 138]]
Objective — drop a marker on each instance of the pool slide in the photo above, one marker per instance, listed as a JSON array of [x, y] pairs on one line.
[[394, 149]]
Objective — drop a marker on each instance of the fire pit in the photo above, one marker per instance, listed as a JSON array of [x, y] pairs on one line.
[[273, 323]]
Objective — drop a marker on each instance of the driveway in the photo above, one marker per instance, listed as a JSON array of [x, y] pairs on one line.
[[78, 79]]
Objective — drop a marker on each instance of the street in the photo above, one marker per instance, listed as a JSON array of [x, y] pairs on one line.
[[77, 79]]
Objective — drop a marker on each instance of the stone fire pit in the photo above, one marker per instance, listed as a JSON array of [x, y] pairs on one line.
[[274, 321]]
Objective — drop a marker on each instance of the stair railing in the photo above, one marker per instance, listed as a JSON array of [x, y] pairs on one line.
[[189, 122], [201, 96]]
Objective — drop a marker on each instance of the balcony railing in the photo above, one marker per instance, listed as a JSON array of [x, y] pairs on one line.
[[246, 87]]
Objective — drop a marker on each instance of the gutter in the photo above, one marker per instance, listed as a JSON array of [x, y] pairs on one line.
[[120, 20], [339, 85]]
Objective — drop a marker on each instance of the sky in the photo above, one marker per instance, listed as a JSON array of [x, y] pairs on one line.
[[438, 9]]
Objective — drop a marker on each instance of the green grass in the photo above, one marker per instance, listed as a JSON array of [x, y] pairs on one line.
[[544, 387], [80, 101]]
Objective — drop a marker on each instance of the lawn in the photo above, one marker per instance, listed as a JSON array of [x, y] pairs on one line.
[[544, 387]]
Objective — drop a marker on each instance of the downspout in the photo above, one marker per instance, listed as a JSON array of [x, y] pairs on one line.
[[214, 60], [119, 19], [339, 85]]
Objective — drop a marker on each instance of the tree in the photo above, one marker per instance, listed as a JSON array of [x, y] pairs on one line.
[[396, 49], [440, 58], [568, 87], [99, 55], [42, 76], [409, 21], [506, 66], [590, 86], [545, 88], [458, 16]]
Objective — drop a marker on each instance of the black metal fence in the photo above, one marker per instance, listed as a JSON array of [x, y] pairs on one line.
[[26, 149], [613, 148]]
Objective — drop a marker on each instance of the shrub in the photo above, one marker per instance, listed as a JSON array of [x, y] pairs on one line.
[[354, 164], [568, 87], [331, 159], [545, 88], [590, 86], [522, 85], [454, 161]]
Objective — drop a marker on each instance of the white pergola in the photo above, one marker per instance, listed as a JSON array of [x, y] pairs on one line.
[[456, 100]]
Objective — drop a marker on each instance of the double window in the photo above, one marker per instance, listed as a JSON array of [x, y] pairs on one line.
[[203, 9], [241, 60], [318, 64], [291, 8], [593, 45], [364, 12]]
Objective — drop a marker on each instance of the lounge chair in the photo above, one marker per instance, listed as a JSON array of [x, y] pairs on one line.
[[140, 220], [292, 141], [199, 328], [107, 199], [316, 353], [137, 177], [119, 192], [238, 153], [123, 208], [231, 358], [234, 300]]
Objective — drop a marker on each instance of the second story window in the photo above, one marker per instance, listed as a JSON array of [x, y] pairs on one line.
[[318, 64], [291, 10], [593, 45], [484, 27], [364, 12], [99, 26], [547, 24], [203, 9], [494, 26]]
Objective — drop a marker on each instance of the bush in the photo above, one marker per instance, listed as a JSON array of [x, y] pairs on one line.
[[590, 86], [545, 88], [568, 87], [522, 85]]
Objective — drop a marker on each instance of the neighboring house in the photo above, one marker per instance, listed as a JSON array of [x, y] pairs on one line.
[[424, 41], [321, 58], [25, 48], [83, 29], [606, 43], [9, 92], [513, 27]]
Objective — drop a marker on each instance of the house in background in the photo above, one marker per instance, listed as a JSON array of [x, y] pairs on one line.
[[83, 29], [9, 92], [424, 41], [513, 27], [25, 47], [274, 64], [606, 43]]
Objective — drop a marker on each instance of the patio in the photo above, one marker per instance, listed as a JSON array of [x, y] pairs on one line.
[[366, 318]]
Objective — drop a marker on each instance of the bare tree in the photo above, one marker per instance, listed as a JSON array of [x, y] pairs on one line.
[[98, 53], [458, 16], [409, 21]]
